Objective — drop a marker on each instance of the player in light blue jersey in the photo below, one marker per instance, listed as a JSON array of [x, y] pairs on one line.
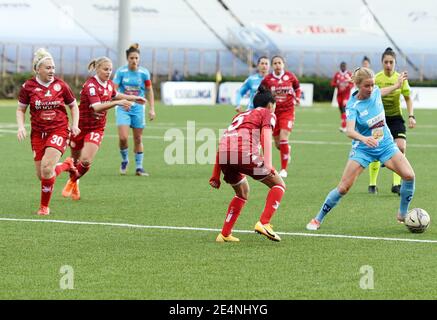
[[372, 140], [252, 83], [135, 80]]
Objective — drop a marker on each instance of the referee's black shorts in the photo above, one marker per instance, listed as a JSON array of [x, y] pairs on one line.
[[396, 124]]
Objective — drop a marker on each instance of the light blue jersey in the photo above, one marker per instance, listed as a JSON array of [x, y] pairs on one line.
[[132, 83], [251, 84], [369, 120]]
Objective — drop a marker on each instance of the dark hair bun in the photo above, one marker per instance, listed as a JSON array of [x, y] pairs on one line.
[[262, 89], [134, 46]]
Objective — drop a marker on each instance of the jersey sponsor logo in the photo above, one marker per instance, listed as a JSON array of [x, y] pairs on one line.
[[48, 115], [377, 121], [57, 87], [46, 104], [284, 90]]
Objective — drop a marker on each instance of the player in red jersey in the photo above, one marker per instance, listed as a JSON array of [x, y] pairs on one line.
[[239, 155], [47, 96], [286, 89], [342, 80], [97, 96]]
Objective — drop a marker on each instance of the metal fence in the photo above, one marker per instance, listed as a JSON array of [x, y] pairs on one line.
[[73, 59]]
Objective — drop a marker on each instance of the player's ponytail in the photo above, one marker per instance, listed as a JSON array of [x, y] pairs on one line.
[[133, 48], [388, 52], [39, 56], [263, 97], [94, 64], [361, 74]]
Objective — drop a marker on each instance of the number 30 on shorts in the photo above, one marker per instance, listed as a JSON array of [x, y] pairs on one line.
[[57, 140]]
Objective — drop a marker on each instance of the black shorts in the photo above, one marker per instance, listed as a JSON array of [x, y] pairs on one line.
[[397, 128]]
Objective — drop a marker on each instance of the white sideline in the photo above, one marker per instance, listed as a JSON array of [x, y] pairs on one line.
[[299, 234]]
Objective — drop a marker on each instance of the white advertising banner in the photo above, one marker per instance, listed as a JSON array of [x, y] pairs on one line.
[[423, 98], [306, 99], [228, 94], [228, 91], [188, 93]]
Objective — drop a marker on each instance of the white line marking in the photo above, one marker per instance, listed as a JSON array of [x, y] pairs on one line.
[[312, 142], [139, 226]]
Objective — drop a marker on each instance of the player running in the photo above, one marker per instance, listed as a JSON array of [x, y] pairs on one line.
[[133, 80], [239, 155], [252, 83], [47, 96], [342, 80], [97, 96], [286, 89], [372, 140], [393, 115]]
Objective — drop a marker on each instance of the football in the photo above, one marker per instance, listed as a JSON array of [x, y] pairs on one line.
[[417, 220]]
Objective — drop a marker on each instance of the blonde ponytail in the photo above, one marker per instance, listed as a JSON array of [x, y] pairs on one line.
[[39, 56], [94, 64], [361, 74]]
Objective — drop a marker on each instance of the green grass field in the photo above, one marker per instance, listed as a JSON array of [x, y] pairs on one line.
[[127, 262]]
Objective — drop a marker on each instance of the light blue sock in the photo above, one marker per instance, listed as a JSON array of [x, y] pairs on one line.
[[124, 155], [330, 202], [407, 192], [139, 156]]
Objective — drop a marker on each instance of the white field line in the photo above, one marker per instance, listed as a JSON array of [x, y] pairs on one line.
[[138, 226], [161, 137], [330, 143]]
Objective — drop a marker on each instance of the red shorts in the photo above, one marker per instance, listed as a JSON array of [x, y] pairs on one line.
[[57, 139], [284, 121], [92, 136], [235, 168]]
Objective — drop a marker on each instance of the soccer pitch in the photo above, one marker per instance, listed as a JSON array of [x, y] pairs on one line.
[[153, 237]]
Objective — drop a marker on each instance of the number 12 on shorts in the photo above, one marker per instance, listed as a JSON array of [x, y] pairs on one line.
[[95, 137]]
